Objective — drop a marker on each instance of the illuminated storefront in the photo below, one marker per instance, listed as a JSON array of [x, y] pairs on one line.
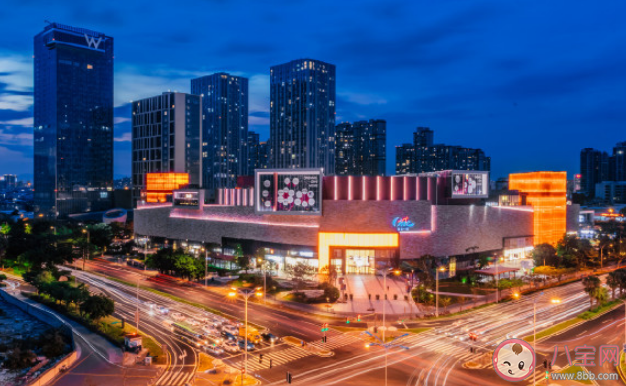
[[160, 186], [356, 252]]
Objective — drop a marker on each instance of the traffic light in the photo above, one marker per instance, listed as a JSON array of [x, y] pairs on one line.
[[358, 318], [545, 363], [270, 363], [288, 377], [347, 320], [547, 372], [260, 358]]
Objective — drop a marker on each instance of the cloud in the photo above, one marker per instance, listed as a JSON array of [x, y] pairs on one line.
[[15, 161], [119, 120], [125, 137], [12, 136], [362, 98], [18, 122]]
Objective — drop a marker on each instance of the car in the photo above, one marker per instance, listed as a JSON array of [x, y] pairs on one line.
[[177, 316], [211, 330], [150, 305], [228, 336], [163, 310], [202, 319], [230, 329], [242, 344], [215, 350], [193, 322], [270, 338], [231, 347]]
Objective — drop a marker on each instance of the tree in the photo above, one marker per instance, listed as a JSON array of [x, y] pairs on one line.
[[545, 254], [591, 284], [299, 272], [613, 281], [100, 236], [97, 307], [445, 302], [20, 359], [329, 275], [243, 262], [601, 295]]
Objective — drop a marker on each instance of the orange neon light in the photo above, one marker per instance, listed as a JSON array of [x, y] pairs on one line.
[[546, 193], [361, 240], [160, 185]]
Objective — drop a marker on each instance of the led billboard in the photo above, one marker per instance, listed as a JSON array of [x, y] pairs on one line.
[[288, 191], [470, 184]]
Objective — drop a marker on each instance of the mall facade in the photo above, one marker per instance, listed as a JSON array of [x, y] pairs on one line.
[[355, 224]]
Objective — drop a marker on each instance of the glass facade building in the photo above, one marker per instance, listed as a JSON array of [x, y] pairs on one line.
[[167, 133], [360, 148], [73, 120], [225, 128], [302, 115]]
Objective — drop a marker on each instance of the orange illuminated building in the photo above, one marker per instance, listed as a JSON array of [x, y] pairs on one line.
[[546, 193], [161, 185], [326, 240]]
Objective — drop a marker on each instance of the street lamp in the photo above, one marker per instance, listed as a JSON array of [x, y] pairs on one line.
[[601, 255], [386, 272], [88, 245], [386, 346], [442, 269], [553, 301], [206, 262], [246, 293], [260, 261]]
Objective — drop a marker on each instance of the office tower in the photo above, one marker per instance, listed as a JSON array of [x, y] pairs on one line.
[[594, 168], [423, 136], [253, 152], [360, 148], [302, 115], [167, 138], [430, 157], [8, 181], [617, 163], [264, 155], [225, 128], [73, 120], [405, 159]]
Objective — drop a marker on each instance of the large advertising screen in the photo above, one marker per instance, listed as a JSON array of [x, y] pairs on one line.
[[288, 191], [474, 184]]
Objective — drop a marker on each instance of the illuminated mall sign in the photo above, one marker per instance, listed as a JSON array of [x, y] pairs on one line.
[[402, 224], [288, 191]]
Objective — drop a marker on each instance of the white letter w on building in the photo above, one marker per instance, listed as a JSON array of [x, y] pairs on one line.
[[92, 41]]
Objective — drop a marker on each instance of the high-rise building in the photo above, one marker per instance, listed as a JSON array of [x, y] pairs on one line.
[[253, 152], [360, 148], [8, 182], [430, 157], [73, 120], [594, 168], [302, 115], [405, 159], [225, 128], [617, 163], [167, 138], [264, 155]]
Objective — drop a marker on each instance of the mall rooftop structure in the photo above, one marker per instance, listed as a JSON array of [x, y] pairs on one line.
[[358, 224]]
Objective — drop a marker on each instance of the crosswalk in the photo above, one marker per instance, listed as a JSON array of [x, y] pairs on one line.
[[175, 376], [335, 341], [277, 357], [440, 346]]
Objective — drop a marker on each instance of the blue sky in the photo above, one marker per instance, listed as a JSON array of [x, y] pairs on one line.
[[530, 82]]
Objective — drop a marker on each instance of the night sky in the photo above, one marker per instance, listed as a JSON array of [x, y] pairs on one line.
[[530, 82]]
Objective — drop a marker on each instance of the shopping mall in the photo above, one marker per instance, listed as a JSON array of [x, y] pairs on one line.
[[360, 224]]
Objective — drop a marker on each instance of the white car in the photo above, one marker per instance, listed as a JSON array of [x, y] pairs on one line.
[[177, 316], [215, 350], [231, 329], [163, 310], [211, 330], [231, 347]]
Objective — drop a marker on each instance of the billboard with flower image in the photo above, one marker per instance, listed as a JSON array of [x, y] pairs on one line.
[[288, 191]]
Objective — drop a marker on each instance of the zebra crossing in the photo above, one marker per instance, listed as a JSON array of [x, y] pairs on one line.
[[278, 358], [335, 341], [440, 346]]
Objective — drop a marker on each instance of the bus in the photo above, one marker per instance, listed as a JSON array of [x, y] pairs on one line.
[[188, 335]]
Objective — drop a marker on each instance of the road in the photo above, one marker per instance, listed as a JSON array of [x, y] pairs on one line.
[[433, 358]]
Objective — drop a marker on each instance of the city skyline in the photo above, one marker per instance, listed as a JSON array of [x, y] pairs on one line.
[[471, 72]]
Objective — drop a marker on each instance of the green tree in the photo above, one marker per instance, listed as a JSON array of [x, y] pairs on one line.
[[591, 284], [613, 281], [601, 295], [97, 307], [545, 254], [243, 262], [100, 236], [445, 302], [299, 272]]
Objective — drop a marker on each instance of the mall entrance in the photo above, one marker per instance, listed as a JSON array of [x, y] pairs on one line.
[[362, 261]]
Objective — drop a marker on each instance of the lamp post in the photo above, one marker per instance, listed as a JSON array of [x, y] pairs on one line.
[[206, 263], [386, 346], [386, 272], [442, 269], [553, 301], [602, 255], [260, 261], [246, 293], [88, 245]]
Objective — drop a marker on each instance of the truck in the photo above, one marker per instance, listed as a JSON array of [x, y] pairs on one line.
[[253, 334]]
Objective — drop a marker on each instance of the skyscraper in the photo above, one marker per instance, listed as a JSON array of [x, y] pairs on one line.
[[253, 152], [225, 128], [617, 163], [167, 138], [360, 148], [594, 168], [264, 155], [430, 157], [302, 115], [73, 120]]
